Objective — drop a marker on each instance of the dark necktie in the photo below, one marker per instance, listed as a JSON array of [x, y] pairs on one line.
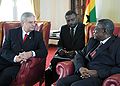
[[25, 37], [72, 32], [92, 54]]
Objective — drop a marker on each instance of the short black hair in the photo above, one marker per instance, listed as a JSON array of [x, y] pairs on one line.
[[70, 12], [108, 25]]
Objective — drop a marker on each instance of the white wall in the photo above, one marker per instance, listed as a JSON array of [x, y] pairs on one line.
[[108, 9], [54, 11]]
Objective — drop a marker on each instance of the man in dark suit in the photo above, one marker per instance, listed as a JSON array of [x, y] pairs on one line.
[[17, 48], [72, 39], [95, 63]]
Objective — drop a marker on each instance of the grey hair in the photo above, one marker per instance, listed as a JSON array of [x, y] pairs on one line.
[[26, 15], [108, 25]]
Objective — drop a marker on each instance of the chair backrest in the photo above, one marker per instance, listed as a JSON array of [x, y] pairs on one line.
[[44, 27], [46, 32], [1, 38], [90, 27], [6, 27]]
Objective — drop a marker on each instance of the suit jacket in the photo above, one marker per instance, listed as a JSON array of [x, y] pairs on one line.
[[13, 44], [106, 60], [66, 42]]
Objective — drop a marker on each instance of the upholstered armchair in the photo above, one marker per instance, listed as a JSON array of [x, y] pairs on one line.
[[33, 70], [67, 68], [63, 69]]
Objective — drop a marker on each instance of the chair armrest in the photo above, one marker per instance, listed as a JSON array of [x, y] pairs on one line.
[[30, 63], [64, 68], [33, 61], [113, 80], [30, 72]]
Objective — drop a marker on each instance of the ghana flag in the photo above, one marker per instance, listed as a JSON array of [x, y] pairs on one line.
[[90, 12]]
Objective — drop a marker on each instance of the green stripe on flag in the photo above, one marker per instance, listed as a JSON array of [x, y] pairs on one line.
[[93, 15], [90, 12]]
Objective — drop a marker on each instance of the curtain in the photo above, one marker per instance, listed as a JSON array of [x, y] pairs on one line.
[[0, 2], [36, 6]]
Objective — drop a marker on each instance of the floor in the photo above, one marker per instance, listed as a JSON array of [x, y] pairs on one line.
[[51, 51]]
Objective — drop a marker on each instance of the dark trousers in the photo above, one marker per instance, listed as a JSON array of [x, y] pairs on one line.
[[8, 72], [50, 75], [76, 80], [8, 75]]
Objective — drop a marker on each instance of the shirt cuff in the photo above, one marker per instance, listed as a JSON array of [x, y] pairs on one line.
[[33, 53], [14, 59], [76, 52]]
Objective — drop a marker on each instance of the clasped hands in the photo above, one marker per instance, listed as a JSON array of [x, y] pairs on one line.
[[62, 52], [67, 53], [86, 73], [22, 57]]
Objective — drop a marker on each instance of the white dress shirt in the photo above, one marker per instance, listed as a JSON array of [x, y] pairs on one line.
[[23, 34]]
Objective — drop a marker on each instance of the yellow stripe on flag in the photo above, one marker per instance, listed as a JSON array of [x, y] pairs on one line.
[[90, 4]]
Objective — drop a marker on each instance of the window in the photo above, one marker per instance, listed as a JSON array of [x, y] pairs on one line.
[[6, 10], [24, 6], [11, 10]]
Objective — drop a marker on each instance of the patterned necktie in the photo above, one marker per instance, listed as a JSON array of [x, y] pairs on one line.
[[25, 37], [92, 54]]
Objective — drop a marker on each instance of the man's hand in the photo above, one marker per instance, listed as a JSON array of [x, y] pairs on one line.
[[24, 56], [18, 58], [62, 52], [93, 73], [84, 72]]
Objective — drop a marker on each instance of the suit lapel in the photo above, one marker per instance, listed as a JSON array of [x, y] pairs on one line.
[[92, 45], [68, 35], [75, 35], [105, 46], [19, 37], [29, 41]]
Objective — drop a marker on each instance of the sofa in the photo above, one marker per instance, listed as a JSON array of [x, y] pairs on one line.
[[67, 68], [33, 70]]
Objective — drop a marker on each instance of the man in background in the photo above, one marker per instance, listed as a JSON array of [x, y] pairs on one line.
[[72, 39], [20, 44]]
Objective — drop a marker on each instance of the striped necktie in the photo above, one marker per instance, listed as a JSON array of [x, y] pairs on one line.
[[92, 54]]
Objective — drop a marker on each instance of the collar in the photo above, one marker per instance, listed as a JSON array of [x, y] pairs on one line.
[[23, 33], [104, 41], [74, 28]]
